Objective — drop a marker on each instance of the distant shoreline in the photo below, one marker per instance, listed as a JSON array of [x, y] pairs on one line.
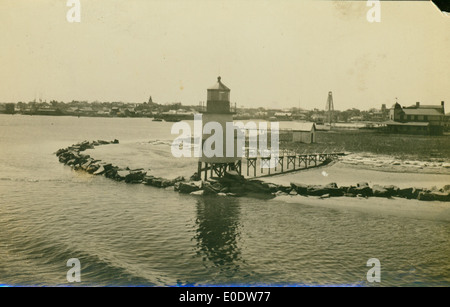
[[364, 125], [402, 147]]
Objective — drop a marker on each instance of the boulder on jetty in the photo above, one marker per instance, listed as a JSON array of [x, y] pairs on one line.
[[195, 177], [199, 192], [238, 185], [434, 195], [211, 188], [187, 187], [386, 191], [122, 174], [283, 188], [257, 186], [280, 193], [316, 190], [99, 171], [379, 191], [330, 189], [406, 193], [300, 188], [135, 176], [92, 168], [160, 182], [392, 190], [361, 189], [293, 192], [232, 184]]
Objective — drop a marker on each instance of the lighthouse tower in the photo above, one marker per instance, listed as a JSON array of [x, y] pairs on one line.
[[218, 110]]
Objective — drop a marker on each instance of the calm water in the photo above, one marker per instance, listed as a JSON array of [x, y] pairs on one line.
[[139, 235]]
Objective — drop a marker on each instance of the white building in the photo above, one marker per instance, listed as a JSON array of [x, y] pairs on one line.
[[300, 132]]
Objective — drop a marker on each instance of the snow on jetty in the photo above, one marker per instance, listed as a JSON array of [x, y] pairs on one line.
[[233, 184]]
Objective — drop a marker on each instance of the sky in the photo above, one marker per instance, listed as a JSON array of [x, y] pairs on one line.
[[270, 53]]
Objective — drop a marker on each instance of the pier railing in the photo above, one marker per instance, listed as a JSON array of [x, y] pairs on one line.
[[285, 161]]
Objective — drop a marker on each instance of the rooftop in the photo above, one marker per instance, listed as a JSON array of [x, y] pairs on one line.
[[219, 85], [422, 111], [297, 126], [424, 106]]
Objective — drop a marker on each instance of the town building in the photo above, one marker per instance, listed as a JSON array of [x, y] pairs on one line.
[[282, 116], [417, 119], [298, 132], [447, 122]]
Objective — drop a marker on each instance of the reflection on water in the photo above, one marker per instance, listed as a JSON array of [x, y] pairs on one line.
[[218, 231]]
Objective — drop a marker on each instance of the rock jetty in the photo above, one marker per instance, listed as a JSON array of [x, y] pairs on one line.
[[363, 189], [233, 184]]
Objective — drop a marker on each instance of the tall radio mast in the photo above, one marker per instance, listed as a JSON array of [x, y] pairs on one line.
[[330, 108]]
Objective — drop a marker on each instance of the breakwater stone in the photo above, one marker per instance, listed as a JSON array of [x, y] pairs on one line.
[[186, 187], [364, 190]]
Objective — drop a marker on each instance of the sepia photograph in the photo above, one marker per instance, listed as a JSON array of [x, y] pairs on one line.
[[240, 145]]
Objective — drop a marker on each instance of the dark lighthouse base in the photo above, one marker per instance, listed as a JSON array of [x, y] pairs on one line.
[[218, 169]]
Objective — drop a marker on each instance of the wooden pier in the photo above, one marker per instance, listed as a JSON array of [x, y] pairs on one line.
[[265, 166], [286, 162]]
